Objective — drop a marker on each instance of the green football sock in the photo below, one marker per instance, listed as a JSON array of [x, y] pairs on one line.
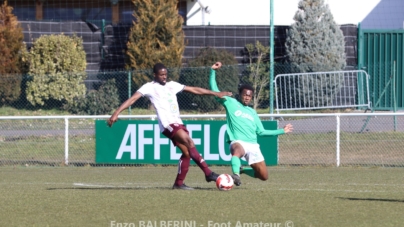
[[235, 164], [249, 171]]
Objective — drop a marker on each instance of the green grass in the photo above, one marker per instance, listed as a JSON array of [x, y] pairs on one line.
[[96, 196], [46, 149], [381, 149], [11, 111], [375, 148]]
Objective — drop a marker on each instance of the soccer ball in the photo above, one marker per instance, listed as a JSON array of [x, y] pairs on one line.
[[224, 182]]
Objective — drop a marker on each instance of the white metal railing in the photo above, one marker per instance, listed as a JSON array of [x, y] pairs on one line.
[[381, 125], [322, 90]]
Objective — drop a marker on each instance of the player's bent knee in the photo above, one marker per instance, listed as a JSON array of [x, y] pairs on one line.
[[262, 176], [261, 171]]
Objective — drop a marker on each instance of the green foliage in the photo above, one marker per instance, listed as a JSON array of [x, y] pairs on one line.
[[156, 36], [97, 102], [315, 43], [11, 48], [57, 67], [197, 75], [257, 71]]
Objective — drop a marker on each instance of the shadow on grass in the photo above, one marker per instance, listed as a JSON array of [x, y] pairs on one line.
[[127, 188], [373, 199]]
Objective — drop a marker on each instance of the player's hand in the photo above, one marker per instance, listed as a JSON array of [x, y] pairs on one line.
[[223, 93], [112, 120], [217, 65], [288, 128]]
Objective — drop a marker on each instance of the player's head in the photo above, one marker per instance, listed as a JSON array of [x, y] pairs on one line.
[[245, 92], [160, 73]]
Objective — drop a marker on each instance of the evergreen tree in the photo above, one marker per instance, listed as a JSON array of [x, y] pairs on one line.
[[156, 36], [315, 43], [11, 49]]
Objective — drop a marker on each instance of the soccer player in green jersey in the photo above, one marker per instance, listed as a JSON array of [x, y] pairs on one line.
[[243, 127]]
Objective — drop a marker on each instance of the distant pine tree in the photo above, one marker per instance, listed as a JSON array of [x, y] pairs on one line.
[[156, 36], [11, 48], [315, 43]]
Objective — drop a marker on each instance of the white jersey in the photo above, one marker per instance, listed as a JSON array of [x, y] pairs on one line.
[[164, 99]]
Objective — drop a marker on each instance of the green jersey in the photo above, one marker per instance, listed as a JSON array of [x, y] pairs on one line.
[[243, 122]]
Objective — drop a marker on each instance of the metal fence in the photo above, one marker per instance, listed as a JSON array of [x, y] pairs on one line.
[[317, 139], [322, 90], [126, 82]]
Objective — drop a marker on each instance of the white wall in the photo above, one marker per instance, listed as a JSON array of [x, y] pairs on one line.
[[387, 14], [256, 12], [229, 12]]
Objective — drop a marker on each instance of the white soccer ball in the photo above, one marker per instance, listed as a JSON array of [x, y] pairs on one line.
[[224, 182]]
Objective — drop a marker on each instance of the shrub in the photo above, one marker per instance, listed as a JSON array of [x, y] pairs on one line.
[[197, 75], [11, 49], [97, 102], [57, 67]]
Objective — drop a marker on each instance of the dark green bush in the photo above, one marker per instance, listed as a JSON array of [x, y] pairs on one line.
[[96, 102], [197, 75]]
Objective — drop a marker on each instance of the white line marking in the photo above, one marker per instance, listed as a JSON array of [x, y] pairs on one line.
[[324, 190], [94, 185], [109, 186]]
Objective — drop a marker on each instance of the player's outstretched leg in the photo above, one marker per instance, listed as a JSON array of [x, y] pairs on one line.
[[235, 166], [182, 139], [249, 171], [209, 174]]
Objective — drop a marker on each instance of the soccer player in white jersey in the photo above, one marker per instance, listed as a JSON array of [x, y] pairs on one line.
[[162, 94], [243, 127]]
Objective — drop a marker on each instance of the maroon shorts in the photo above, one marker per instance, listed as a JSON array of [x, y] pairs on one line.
[[172, 129]]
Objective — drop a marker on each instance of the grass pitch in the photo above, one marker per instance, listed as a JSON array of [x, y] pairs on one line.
[[142, 197]]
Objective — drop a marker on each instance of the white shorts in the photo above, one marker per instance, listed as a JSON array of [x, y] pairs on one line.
[[252, 151]]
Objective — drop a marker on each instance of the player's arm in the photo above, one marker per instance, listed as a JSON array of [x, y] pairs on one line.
[[263, 132], [203, 91], [124, 105], [212, 80], [212, 77]]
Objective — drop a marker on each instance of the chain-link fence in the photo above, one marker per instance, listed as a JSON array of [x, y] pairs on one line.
[[357, 139], [106, 90], [344, 139]]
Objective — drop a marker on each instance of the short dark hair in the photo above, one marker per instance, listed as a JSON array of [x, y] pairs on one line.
[[245, 86], [157, 67]]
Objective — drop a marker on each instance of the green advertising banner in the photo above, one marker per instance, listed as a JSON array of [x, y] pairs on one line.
[[141, 142]]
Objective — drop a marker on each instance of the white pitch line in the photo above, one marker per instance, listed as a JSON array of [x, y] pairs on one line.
[[94, 185], [107, 186], [324, 190], [339, 184]]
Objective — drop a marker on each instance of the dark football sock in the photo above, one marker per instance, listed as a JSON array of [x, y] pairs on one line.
[[183, 166], [199, 161]]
